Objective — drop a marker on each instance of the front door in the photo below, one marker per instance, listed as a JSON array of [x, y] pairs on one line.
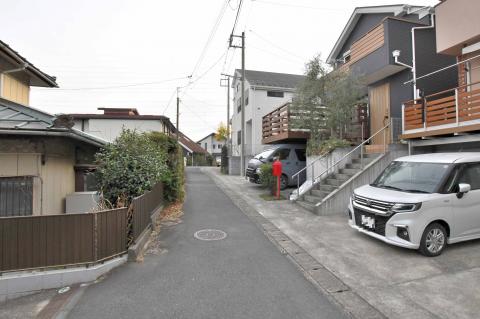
[[467, 208], [379, 98]]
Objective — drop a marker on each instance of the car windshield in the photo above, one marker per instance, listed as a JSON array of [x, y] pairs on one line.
[[412, 177], [265, 154]]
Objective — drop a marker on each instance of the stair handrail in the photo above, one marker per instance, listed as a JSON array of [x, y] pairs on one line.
[[316, 180]]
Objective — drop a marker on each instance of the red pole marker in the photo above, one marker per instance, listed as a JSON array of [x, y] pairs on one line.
[[277, 171], [278, 187]]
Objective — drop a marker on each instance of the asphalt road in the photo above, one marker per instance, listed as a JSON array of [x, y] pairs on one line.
[[241, 276]]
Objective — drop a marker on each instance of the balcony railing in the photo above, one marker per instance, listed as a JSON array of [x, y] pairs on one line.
[[452, 111], [276, 126]]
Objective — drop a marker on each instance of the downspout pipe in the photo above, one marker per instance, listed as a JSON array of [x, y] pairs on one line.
[[414, 60]]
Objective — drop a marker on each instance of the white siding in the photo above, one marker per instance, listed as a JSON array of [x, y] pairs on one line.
[[109, 129], [259, 104], [214, 147]]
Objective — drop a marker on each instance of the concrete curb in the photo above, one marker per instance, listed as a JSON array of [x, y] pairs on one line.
[[323, 279], [137, 249], [13, 285]]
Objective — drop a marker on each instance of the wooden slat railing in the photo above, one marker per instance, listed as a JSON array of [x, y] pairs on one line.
[[276, 122], [452, 106]]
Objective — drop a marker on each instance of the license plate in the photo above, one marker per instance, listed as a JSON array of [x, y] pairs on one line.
[[368, 221]]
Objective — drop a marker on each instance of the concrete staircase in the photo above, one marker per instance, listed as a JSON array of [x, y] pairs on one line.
[[334, 181]]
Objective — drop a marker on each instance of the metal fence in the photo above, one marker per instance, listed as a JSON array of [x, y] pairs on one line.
[[142, 209], [28, 242]]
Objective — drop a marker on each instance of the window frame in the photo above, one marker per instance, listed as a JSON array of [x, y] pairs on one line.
[[277, 94]]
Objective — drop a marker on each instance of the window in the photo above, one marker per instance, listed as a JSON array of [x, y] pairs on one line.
[[282, 153], [213, 146], [17, 194], [219, 146], [85, 180], [246, 97], [275, 93], [239, 105], [205, 146], [470, 174], [239, 137], [300, 154], [412, 177]]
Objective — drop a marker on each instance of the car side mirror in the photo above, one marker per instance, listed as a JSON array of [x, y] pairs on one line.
[[270, 159], [463, 188]]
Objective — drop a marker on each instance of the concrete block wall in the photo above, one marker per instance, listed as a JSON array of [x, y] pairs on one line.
[[13, 285], [234, 164], [321, 165], [337, 201]]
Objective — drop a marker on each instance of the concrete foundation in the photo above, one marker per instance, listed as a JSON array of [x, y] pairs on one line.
[[13, 285]]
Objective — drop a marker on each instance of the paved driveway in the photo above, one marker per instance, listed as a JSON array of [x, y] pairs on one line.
[[400, 283], [242, 276]]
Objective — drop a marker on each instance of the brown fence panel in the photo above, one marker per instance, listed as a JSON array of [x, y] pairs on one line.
[[111, 233], [143, 208], [44, 241]]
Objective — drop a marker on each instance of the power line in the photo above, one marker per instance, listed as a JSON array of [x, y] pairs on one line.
[[209, 69], [116, 86], [169, 101], [275, 45], [200, 117], [236, 18], [297, 60], [297, 6], [210, 37]]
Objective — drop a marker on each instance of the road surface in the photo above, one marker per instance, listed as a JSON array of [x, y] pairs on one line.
[[241, 276]]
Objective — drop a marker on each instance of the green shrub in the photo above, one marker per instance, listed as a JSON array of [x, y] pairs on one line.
[[173, 178], [325, 146], [266, 177], [200, 160], [129, 167]]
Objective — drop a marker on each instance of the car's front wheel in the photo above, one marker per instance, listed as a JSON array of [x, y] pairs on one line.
[[283, 182], [434, 240]]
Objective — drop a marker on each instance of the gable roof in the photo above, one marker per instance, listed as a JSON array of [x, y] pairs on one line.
[[16, 119], [396, 10], [39, 78], [270, 79], [189, 144], [205, 137]]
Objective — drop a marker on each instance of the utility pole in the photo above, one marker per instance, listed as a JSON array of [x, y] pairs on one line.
[[227, 77], [178, 114], [242, 133]]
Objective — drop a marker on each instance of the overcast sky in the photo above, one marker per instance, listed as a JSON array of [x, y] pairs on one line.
[[99, 44]]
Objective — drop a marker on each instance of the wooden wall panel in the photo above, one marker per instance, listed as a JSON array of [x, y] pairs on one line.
[[15, 90], [371, 41]]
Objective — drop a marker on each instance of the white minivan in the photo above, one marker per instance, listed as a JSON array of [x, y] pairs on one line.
[[421, 202]]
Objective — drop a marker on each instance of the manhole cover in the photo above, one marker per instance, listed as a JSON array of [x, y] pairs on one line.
[[210, 234]]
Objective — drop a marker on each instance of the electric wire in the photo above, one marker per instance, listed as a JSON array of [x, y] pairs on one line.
[[210, 37]]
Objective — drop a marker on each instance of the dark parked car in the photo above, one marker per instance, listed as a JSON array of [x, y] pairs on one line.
[[293, 159]]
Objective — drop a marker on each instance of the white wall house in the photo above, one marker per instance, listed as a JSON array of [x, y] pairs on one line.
[[211, 145], [265, 91], [109, 125]]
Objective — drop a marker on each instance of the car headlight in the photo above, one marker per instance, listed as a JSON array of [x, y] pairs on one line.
[[405, 208], [258, 170]]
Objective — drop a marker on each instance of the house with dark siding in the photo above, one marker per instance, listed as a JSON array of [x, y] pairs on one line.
[[366, 47]]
